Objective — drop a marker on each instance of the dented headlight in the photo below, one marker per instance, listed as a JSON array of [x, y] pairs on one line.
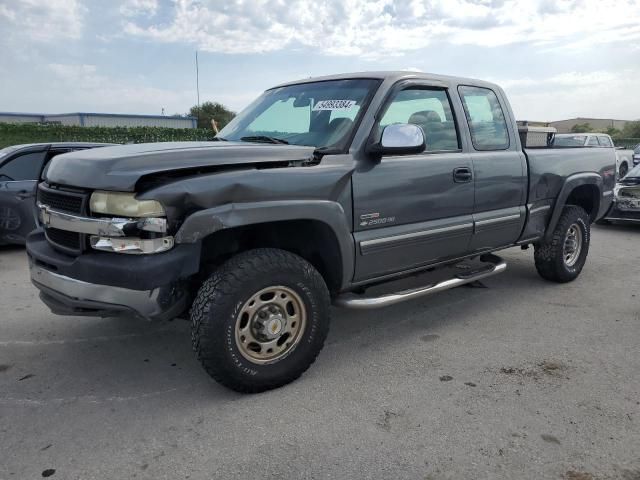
[[628, 198], [124, 205]]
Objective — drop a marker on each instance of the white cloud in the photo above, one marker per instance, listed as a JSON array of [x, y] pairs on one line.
[[387, 27], [95, 91], [132, 8], [566, 79], [43, 20], [600, 94]]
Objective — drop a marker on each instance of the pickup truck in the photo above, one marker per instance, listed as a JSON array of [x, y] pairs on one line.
[[596, 140], [323, 190]]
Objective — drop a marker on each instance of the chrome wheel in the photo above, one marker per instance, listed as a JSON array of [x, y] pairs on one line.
[[572, 245], [270, 324]]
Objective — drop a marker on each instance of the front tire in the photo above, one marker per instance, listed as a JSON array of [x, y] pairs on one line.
[[260, 320], [562, 257]]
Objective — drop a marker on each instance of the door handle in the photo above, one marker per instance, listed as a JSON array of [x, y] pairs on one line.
[[24, 194], [462, 175]]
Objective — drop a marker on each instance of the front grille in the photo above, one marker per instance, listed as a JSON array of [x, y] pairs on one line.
[[62, 238], [62, 200], [67, 201]]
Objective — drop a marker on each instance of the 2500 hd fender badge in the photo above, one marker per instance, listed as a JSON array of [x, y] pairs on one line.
[[371, 219]]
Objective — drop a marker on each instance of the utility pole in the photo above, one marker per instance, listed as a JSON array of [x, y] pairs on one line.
[[198, 86]]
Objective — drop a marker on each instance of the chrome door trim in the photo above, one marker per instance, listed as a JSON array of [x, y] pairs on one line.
[[414, 235], [491, 221], [533, 211]]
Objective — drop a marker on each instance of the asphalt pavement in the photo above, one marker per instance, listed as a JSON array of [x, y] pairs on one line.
[[516, 378]]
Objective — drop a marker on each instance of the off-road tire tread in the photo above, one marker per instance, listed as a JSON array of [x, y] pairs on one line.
[[225, 286], [547, 252]]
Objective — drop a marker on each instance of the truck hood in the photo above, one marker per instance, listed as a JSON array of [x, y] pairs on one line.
[[119, 168]]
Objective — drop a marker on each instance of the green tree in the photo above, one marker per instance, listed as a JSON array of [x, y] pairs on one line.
[[613, 132], [211, 110], [631, 130], [581, 128]]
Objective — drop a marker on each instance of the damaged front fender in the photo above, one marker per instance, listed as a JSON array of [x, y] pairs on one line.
[[205, 222]]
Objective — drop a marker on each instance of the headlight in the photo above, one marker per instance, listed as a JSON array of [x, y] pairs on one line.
[[124, 205]]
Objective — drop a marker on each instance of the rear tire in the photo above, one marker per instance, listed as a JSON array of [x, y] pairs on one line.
[[260, 320], [562, 257], [623, 170]]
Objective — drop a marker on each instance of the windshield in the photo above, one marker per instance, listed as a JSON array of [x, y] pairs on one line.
[[569, 141], [637, 149], [318, 114]]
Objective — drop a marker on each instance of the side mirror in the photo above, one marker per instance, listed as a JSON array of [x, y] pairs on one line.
[[399, 139]]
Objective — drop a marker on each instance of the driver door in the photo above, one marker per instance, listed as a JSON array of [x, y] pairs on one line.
[[414, 210], [19, 176]]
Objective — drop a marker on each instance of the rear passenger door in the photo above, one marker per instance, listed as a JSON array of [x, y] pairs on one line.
[[499, 168], [413, 210]]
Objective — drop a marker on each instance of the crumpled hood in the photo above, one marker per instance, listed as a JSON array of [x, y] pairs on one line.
[[119, 168]]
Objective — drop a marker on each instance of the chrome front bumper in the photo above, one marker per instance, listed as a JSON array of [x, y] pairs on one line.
[[111, 234], [68, 296], [110, 227]]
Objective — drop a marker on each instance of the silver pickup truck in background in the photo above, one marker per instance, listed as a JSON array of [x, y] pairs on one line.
[[624, 157]]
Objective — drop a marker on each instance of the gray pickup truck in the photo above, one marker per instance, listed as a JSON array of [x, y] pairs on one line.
[[324, 190]]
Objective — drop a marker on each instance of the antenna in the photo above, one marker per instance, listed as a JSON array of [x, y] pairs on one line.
[[198, 87]]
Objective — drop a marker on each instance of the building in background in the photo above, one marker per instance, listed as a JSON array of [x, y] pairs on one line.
[[597, 124], [100, 119]]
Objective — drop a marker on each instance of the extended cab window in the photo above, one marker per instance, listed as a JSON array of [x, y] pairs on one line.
[[430, 110], [486, 119], [593, 142], [22, 167]]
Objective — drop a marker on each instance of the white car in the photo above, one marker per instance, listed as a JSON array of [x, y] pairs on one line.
[[625, 159]]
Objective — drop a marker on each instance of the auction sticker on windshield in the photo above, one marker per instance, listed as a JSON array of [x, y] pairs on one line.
[[334, 104]]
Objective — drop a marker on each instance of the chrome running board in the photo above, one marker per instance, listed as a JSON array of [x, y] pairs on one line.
[[494, 265]]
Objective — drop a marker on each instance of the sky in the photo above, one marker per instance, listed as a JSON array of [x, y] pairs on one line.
[[555, 58]]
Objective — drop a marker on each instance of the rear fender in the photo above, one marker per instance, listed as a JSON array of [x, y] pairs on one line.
[[570, 184]]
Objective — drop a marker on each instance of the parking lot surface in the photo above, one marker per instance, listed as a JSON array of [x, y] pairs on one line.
[[515, 378]]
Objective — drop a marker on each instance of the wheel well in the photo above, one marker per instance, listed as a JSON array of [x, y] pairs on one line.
[[587, 197], [313, 240]]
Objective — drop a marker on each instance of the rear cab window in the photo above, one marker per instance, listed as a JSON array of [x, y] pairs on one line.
[[569, 141], [605, 141], [593, 142], [485, 117]]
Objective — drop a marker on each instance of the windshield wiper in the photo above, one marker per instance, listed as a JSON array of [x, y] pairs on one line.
[[219, 139], [327, 150], [264, 139]]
